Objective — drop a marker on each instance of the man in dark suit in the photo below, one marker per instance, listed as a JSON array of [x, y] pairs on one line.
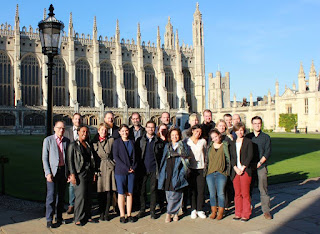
[[136, 130], [72, 134], [56, 172], [149, 150]]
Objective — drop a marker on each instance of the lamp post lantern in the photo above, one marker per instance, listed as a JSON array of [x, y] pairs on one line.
[[50, 31]]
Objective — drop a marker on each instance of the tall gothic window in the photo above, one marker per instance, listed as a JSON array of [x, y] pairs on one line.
[[187, 86], [6, 98], [170, 85], [106, 78], [30, 81], [59, 83], [306, 106], [83, 82], [129, 84], [151, 84]]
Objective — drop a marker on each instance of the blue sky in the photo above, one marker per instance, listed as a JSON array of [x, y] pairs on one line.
[[258, 42]]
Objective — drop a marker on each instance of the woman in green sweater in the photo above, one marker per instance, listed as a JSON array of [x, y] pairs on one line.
[[217, 169]]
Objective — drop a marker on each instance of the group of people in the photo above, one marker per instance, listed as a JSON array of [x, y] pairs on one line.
[[178, 165]]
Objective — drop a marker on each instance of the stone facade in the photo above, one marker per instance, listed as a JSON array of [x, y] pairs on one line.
[[94, 74], [303, 100]]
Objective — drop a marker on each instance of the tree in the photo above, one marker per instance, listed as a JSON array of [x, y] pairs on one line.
[[288, 121]]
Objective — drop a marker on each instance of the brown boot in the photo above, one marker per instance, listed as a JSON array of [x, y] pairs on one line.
[[213, 212], [220, 213]]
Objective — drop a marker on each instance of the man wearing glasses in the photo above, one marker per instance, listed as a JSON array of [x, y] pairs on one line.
[[56, 172]]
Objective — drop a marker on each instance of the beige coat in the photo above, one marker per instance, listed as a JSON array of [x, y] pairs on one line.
[[106, 180]]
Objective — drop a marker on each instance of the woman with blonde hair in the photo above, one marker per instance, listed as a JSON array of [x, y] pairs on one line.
[[221, 125]]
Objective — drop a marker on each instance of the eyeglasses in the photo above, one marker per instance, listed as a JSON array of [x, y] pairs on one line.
[[60, 128]]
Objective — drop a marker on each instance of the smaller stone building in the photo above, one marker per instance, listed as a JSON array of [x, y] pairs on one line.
[[303, 100]]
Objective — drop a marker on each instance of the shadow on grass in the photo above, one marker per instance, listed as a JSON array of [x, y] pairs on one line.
[[288, 148], [287, 177]]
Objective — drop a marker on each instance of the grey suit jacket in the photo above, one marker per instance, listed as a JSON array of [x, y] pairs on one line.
[[50, 155], [69, 134]]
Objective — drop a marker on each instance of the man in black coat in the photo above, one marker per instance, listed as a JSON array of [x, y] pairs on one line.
[[113, 130], [207, 124], [72, 134], [136, 130], [149, 150]]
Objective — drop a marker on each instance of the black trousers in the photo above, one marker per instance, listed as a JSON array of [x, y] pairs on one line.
[[153, 190], [105, 199], [83, 192], [197, 186], [55, 195], [229, 193]]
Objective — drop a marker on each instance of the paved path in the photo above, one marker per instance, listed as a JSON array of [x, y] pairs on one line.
[[295, 207]]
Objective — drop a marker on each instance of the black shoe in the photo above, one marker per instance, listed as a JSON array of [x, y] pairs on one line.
[[60, 222], [93, 221], [141, 214], [123, 219], [49, 224], [153, 215], [236, 218], [131, 219], [107, 217], [244, 220]]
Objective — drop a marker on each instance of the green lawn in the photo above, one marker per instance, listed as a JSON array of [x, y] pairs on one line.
[[294, 157]]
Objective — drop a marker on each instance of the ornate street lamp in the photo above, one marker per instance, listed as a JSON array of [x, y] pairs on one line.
[[50, 36]]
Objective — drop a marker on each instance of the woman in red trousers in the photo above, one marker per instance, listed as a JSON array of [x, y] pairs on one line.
[[241, 151]]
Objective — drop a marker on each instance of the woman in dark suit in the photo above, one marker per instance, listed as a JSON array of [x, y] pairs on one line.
[[124, 156], [241, 152], [81, 164]]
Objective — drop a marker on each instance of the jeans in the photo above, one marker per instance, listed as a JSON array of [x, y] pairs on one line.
[[216, 184], [174, 201], [71, 195]]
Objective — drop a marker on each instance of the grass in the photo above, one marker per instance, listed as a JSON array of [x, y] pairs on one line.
[[294, 157]]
